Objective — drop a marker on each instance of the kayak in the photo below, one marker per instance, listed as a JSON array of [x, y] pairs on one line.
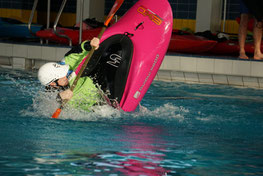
[[131, 52], [230, 47], [12, 28], [225, 47], [73, 34], [249, 47], [184, 42], [250, 25], [90, 28]]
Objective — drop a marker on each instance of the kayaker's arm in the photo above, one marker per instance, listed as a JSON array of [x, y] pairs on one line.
[[85, 46], [65, 95], [74, 57], [78, 49]]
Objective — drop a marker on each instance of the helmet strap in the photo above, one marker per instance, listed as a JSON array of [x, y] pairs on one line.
[[57, 87]]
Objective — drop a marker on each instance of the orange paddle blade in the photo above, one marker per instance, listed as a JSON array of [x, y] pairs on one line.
[[56, 113], [114, 9]]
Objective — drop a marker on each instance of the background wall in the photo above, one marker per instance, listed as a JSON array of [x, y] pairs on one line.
[[21, 10], [232, 12], [184, 12]]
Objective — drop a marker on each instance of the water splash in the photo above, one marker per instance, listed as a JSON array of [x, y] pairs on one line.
[[167, 110], [43, 105]]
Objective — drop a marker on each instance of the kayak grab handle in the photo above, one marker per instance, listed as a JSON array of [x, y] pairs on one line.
[[128, 34], [138, 25]]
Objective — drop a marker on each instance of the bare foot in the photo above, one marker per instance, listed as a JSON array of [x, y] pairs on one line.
[[258, 56], [243, 56]]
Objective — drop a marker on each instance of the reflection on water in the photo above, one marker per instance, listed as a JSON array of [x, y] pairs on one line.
[[144, 157], [144, 154], [141, 157]]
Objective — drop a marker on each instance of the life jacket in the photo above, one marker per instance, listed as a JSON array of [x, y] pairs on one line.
[[85, 94]]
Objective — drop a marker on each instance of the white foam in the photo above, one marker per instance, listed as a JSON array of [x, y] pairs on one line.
[[44, 105], [166, 111]]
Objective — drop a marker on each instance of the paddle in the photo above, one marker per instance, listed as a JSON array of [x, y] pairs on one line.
[[114, 9]]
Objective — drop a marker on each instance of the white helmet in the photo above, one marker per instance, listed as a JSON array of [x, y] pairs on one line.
[[51, 71]]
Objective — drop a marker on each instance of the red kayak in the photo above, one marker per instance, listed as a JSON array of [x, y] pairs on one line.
[[184, 42], [73, 34], [225, 47], [250, 25], [249, 47], [232, 47]]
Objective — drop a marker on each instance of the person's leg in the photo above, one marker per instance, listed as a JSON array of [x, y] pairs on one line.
[[257, 35], [242, 35]]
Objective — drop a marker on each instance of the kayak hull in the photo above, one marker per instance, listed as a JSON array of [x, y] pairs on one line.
[[189, 43], [73, 34], [225, 47], [148, 25], [11, 28]]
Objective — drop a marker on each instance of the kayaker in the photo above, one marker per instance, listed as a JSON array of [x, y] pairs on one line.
[[60, 76], [250, 9]]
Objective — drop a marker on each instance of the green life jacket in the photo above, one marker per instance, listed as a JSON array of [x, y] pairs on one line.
[[85, 94]]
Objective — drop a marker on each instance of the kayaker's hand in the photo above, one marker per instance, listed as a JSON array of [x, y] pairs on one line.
[[95, 42], [66, 95]]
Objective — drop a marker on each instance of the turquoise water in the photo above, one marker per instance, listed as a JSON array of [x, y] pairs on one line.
[[181, 129]]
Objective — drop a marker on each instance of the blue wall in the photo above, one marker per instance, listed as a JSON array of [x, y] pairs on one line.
[[233, 9], [42, 5], [182, 9]]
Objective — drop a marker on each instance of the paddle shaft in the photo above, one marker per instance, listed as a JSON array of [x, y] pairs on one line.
[[72, 87], [114, 9], [86, 61]]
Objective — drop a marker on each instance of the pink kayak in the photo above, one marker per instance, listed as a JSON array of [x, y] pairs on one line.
[[131, 52]]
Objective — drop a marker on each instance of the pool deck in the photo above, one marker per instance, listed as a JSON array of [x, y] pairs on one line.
[[175, 67]]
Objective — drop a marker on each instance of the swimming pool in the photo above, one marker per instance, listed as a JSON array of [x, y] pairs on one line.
[[181, 129]]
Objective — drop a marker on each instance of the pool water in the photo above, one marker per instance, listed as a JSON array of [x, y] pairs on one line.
[[180, 129]]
